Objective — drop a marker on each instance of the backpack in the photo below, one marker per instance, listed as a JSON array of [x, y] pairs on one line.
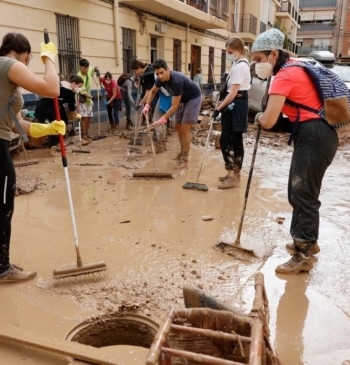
[[122, 78], [332, 91]]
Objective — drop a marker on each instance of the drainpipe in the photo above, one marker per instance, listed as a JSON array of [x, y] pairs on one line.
[[188, 50], [116, 31]]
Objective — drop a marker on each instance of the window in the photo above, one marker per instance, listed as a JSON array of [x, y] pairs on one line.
[[68, 45], [177, 55], [129, 48], [153, 49]]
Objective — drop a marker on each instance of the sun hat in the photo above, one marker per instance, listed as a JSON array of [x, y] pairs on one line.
[[268, 40]]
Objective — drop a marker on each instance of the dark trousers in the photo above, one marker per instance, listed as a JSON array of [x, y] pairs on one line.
[[231, 145], [127, 107], [315, 145], [8, 192], [113, 111]]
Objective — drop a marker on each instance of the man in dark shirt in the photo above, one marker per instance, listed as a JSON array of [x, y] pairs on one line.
[[186, 103]]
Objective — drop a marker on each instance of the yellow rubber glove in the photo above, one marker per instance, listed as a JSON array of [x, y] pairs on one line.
[[48, 50], [37, 130], [77, 116]]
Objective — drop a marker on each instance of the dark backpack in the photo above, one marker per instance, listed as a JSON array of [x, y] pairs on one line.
[[122, 78], [332, 91]]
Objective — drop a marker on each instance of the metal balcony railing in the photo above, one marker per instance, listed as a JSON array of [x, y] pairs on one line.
[[304, 51], [219, 9], [263, 27], [248, 24], [287, 7], [198, 4], [310, 27]]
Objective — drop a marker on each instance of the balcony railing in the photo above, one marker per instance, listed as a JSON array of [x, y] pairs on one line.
[[248, 24], [304, 51], [287, 7], [309, 27], [219, 9], [263, 27], [198, 4]]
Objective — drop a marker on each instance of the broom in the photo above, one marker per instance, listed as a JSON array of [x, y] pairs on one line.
[[79, 268], [156, 174], [196, 185], [26, 162]]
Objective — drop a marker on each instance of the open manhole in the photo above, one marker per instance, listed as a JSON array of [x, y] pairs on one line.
[[115, 329]]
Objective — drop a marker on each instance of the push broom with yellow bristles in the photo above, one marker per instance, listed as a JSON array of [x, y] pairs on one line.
[[77, 268]]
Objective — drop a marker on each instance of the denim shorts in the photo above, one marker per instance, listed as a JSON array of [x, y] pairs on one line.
[[187, 113]]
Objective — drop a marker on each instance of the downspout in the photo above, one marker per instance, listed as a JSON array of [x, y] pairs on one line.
[[188, 50], [116, 31]]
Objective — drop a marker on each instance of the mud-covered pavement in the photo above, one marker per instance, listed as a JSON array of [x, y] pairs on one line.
[[153, 238]]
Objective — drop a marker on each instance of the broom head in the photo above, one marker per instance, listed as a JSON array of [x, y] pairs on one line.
[[195, 186], [75, 270]]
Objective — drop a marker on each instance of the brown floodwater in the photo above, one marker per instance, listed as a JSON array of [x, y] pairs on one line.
[[154, 240]]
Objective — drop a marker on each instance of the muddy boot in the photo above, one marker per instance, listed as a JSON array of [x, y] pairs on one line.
[[295, 265], [229, 182], [314, 249], [300, 261]]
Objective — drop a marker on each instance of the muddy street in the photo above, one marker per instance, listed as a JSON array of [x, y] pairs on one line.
[[154, 240]]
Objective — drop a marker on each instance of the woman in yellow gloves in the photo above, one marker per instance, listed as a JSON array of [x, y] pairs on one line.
[[15, 54]]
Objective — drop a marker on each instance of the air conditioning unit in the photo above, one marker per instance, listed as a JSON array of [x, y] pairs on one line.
[[162, 27]]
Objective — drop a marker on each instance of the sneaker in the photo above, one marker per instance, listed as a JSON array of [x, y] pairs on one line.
[[314, 249], [295, 265], [228, 183], [129, 127], [15, 274]]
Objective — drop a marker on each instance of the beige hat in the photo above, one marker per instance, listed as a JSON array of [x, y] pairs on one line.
[[269, 40]]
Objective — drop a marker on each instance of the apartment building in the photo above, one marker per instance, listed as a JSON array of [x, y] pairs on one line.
[[187, 33], [324, 26]]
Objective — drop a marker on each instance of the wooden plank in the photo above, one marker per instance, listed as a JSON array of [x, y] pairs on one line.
[[53, 345]]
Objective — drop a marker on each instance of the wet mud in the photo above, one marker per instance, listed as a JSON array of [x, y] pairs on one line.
[[151, 234]]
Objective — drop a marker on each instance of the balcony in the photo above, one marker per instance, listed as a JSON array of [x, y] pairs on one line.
[[247, 28], [318, 27], [287, 10], [304, 51], [192, 12]]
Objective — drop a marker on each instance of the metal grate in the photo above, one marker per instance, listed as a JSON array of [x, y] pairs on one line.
[[68, 45], [129, 48]]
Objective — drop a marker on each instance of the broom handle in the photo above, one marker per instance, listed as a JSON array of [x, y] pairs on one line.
[[152, 145], [206, 143], [258, 131], [65, 168]]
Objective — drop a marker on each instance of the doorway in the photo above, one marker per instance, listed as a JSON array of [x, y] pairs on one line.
[[195, 59]]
